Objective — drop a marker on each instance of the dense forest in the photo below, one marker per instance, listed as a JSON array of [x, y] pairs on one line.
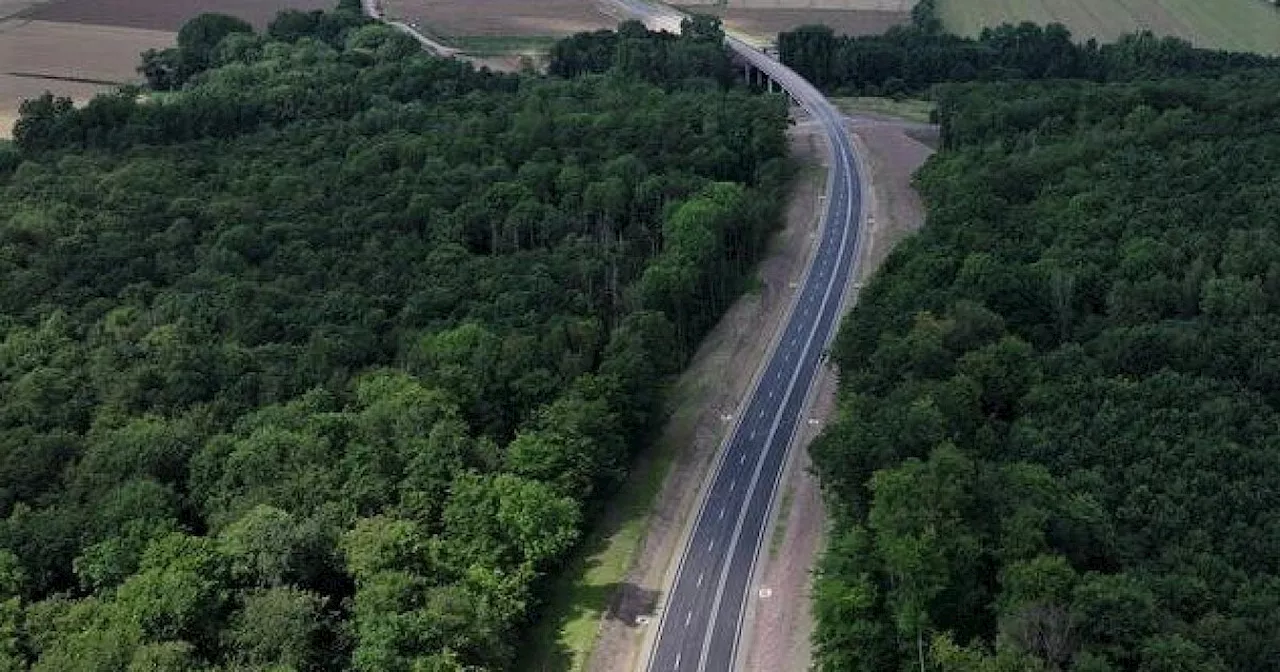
[[1058, 437], [911, 58], [320, 353]]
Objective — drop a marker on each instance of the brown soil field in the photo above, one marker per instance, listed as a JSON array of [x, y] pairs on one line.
[[14, 90], [454, 18], [72, 60], [164, 14], [770, 22]]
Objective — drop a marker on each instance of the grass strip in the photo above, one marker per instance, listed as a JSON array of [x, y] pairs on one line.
[[909, 109], [503, 45]]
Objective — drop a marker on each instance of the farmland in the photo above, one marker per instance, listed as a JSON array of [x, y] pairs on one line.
[[766, 22], [73, 60], [168, 15], [79, 48], [451, 20], [767, 18], [1237, 25]]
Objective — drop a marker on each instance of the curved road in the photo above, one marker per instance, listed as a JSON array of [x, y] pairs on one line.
[[701, 618]]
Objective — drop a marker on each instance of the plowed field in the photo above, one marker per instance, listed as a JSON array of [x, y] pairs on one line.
[[164, 14]]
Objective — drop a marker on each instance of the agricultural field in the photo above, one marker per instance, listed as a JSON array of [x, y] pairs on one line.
[[73, 60], [163, 14], [767, 23], [1237, 25], [767, 18], [458, 21], [79, 48]]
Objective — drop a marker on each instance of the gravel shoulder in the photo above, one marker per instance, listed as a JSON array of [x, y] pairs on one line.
[[779, 622]]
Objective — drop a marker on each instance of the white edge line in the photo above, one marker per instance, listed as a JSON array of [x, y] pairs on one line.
[[691, 524], [737, 530], [854, 267]]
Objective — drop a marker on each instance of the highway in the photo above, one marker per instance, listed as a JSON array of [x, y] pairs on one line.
[[700, 618]]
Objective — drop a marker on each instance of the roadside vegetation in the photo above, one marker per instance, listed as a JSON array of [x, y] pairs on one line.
[[326, 359], [1058, 434]]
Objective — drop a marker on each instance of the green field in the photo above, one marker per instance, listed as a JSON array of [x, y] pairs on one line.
[[907, 109], [1237, 25]]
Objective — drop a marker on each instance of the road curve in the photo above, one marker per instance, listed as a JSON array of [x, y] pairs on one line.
[[700, 619]]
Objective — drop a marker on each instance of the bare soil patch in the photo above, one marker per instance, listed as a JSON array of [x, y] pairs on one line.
[[770, 22], [892, 151], [778, 628], [165, 14], [713, 386], [456, 18], [75, 51], [73, 60]]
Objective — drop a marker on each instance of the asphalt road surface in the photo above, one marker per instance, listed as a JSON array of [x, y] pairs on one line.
[[701, 617]]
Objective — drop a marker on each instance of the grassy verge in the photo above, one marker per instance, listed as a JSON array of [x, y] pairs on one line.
[[910, 109], [780, 523], [564, 637], [485, 46]]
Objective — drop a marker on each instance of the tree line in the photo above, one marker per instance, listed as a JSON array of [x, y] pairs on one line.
[[1058, 434], [911, 58], [321, 358]]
